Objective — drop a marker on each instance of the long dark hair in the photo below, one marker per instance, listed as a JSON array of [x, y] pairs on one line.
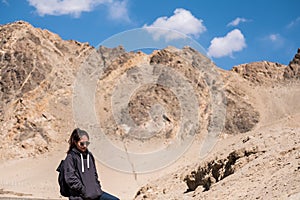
[[75, 137]]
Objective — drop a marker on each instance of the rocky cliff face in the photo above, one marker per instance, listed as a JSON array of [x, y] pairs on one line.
[[261, 72], [268, 73], [37, 73], [293, 70]]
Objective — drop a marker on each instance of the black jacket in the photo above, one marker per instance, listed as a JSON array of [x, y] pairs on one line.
[[81, 175]]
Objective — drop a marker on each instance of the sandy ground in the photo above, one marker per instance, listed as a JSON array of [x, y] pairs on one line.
[[37, 178]]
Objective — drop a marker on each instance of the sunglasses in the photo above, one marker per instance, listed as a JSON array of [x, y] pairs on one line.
[[87, 143]]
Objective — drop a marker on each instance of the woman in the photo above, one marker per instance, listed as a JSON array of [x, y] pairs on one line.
[[80, 170]]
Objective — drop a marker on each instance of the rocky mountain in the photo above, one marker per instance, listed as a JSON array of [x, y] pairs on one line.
[[262, 160], [37, 73], [251, 110], [38, 70]]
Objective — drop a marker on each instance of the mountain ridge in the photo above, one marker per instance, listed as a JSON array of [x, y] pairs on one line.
[[38, 78]]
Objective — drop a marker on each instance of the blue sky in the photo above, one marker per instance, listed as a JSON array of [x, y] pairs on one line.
[[232, 32]]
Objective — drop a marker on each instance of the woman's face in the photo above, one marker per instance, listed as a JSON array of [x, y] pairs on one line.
[[83, 143]]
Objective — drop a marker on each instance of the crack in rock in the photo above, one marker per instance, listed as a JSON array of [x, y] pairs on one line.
[[216, 170]]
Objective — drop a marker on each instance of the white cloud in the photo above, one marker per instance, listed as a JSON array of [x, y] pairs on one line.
[[294, 22], [64, 7], [182, 21], [237, 21], [277, 41], [234, 41], [5, 2], [274, 37], [117, 9]]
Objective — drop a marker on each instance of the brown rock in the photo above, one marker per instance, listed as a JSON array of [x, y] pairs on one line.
[[293, 69], [261, 73]]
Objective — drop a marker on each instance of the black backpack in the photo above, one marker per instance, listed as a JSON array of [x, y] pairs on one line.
[[63, 187]]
